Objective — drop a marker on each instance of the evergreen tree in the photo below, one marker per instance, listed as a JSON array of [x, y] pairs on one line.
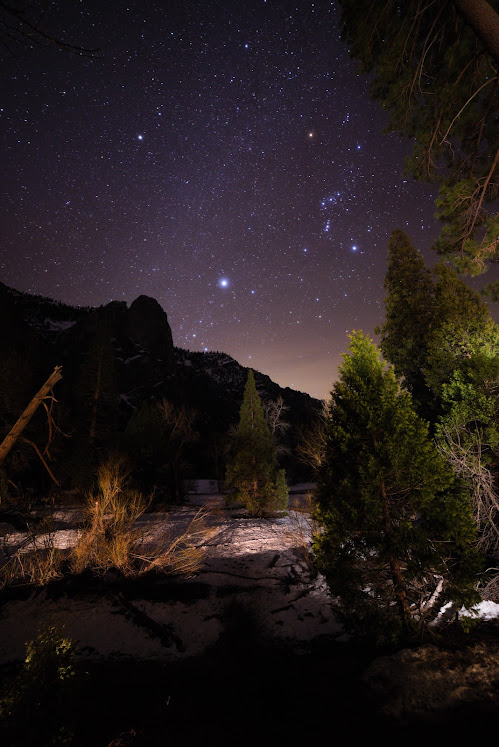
[[396, 525], [253, 475], [96, 388], [178, 429], [433, 66], [461, 317], [409, 313], [423, 309], [440, 337]]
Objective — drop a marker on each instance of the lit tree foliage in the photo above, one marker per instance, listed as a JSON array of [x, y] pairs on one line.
[[398, 531], [253, 475], [434, 66], [422, 310], [467, 360], [440, 337]]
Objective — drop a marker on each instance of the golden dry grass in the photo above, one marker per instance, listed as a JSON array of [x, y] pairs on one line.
[[112, 539], [185, 554], [36, 567]]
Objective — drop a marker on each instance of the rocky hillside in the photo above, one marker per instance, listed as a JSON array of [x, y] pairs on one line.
[[115, 358]]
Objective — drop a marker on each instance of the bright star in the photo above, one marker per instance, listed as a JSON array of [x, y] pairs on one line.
[[140, 137], [223, 283]]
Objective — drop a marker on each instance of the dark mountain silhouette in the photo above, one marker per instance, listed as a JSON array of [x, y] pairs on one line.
[[115, 358]]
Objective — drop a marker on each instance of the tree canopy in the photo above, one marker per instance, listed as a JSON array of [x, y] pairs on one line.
[[434, 67], [398, 530], [428, 313], [442, 341]]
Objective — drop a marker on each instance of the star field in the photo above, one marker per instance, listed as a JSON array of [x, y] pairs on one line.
[[224, 159]]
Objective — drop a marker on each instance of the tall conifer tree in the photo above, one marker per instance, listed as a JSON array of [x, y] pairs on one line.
[[396, 525], [409, 308], [253, 475], [439, 335]]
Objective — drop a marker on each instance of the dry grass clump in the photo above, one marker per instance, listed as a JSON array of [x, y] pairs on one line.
[[185, 554], [110, 539], [37, 568], [32, 564]]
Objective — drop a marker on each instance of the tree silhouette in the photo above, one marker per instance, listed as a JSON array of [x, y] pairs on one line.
[[253, 475]]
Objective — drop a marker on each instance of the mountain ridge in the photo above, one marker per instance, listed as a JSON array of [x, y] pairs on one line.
[[117, 358]]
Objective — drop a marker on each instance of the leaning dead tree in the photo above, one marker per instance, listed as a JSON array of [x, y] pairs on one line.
[[16, 431]]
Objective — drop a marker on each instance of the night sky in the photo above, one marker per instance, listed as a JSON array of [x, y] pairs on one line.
[[224, 158]]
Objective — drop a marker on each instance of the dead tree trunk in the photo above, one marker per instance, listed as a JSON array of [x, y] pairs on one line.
[[395, 567], [11, 438]]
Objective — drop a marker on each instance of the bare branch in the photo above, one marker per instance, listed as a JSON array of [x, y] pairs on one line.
[[465, 451], [491, 80], [32, 443]]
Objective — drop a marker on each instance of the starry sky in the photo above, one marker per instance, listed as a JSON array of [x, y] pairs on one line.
[[224, 158]]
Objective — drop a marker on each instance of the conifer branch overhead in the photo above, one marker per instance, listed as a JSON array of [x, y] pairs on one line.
[[434, 67]]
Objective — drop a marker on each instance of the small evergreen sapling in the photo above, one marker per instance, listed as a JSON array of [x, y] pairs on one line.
[[396, 526], [253, 475]]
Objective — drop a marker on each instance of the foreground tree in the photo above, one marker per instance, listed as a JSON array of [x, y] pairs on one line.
[[441, 339], [398, 531], [422, 310], [253, 476], [434, 66]]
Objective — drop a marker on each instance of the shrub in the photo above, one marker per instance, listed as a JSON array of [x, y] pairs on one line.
[[34, 708]]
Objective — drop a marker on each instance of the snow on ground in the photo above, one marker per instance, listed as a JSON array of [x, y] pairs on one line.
[[485, 610], [256, 568]]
